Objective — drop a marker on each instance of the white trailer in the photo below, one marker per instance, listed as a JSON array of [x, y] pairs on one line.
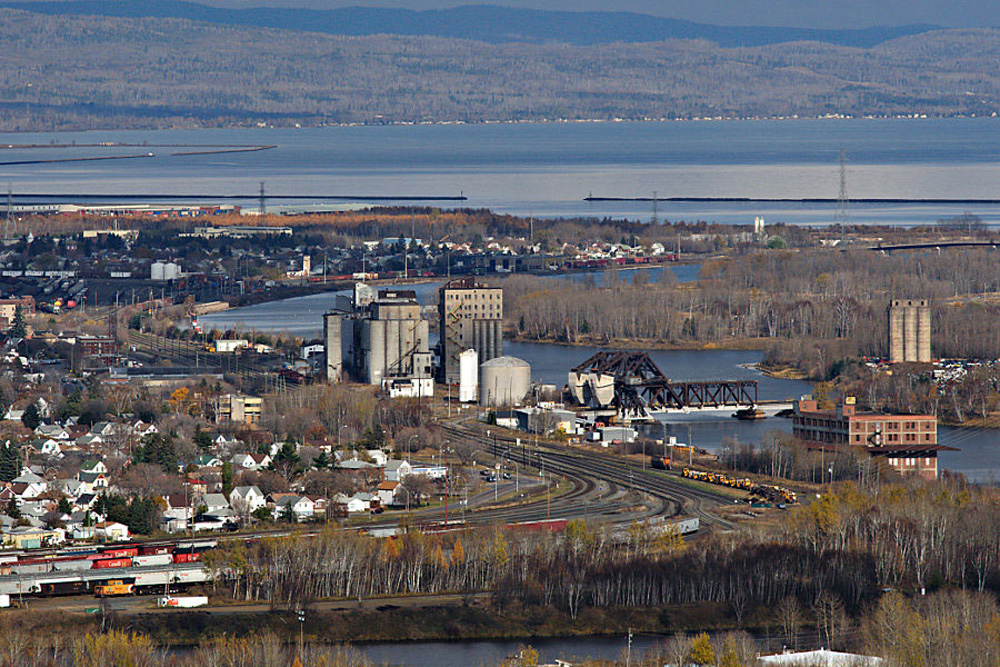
[[184, 601]]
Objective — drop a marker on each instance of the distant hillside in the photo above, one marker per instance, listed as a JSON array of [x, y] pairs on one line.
[[81, 72], [492, 24]]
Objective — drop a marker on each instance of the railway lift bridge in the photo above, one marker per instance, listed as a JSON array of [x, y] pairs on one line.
[[633, 384]]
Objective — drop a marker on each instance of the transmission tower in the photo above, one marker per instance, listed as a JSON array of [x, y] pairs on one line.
[[842, 200], [263, 201], [656, 219]]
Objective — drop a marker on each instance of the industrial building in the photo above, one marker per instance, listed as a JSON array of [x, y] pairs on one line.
[[504, 381], [388, 343], [908, 442], [238, 408], [471, 317], [909, 331]]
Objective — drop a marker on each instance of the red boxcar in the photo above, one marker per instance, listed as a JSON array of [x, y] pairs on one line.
[[113, 562], [187, 558], [155, 550], [120, 552]]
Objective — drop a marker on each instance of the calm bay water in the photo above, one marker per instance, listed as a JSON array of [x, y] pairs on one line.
[[547, 169]]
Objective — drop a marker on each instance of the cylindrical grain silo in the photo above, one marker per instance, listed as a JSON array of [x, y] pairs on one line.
[[468, 374], [504, 381]]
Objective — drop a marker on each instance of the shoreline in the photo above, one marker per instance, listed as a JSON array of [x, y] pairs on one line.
[[744, 344], [299, 125]]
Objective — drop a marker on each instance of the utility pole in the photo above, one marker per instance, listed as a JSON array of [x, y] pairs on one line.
[[656, 219]]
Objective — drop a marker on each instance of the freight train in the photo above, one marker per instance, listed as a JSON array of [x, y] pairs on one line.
[[766, 492], [103, 557]]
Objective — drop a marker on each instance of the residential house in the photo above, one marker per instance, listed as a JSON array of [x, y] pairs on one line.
[[350, 504], [378, 456], [47, 447], [72, 488], [387, 493], [214, 501], [52, 431], [397, 470], [94, 465], [251, 461], [111, 531], [246, 499], [207, 460], [94, 482], [302, 508]]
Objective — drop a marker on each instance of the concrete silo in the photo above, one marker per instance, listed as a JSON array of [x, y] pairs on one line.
[[504, 381], [468, 383]]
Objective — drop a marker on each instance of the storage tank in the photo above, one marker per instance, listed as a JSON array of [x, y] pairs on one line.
[[468, 376], [171, 271], [156, 271], [504, 381]]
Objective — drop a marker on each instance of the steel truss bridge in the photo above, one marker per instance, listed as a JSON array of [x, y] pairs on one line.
[[640, 386]]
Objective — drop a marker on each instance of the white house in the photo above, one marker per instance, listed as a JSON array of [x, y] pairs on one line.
[[352, 503], [111, 531], [94, 466], [397, 470], [246, 499], [52, 431], [302, 507], [387, 493], [47, 447], [378, 456], [214, 502], [251, 461]]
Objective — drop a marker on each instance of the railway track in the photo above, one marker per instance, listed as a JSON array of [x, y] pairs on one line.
[[677, 498]]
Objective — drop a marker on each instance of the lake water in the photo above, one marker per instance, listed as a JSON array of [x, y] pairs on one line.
[[546, 170], [492, 653]]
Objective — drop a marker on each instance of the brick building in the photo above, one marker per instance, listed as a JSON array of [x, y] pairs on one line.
[[909, 443]]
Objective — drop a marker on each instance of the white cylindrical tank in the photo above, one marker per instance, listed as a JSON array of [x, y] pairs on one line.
[[157, 271], [171, 271], [468, 376], [504, 381]]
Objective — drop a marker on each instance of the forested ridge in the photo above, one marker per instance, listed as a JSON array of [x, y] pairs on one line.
[[64, 72]]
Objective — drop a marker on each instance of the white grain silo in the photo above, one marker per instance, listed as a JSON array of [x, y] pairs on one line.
[[468, 374], [504, 381], [156, 271]]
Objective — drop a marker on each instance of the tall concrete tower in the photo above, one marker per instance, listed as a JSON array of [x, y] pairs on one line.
[[471, 318], [909, 331], [332, 344]]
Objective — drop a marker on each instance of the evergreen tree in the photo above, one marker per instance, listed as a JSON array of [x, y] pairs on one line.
[[18, 328], [10, 462], [64, 506], [702, 652], [227, 478], [322, 462], [202, 439], [31, 419], [12, 509]]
